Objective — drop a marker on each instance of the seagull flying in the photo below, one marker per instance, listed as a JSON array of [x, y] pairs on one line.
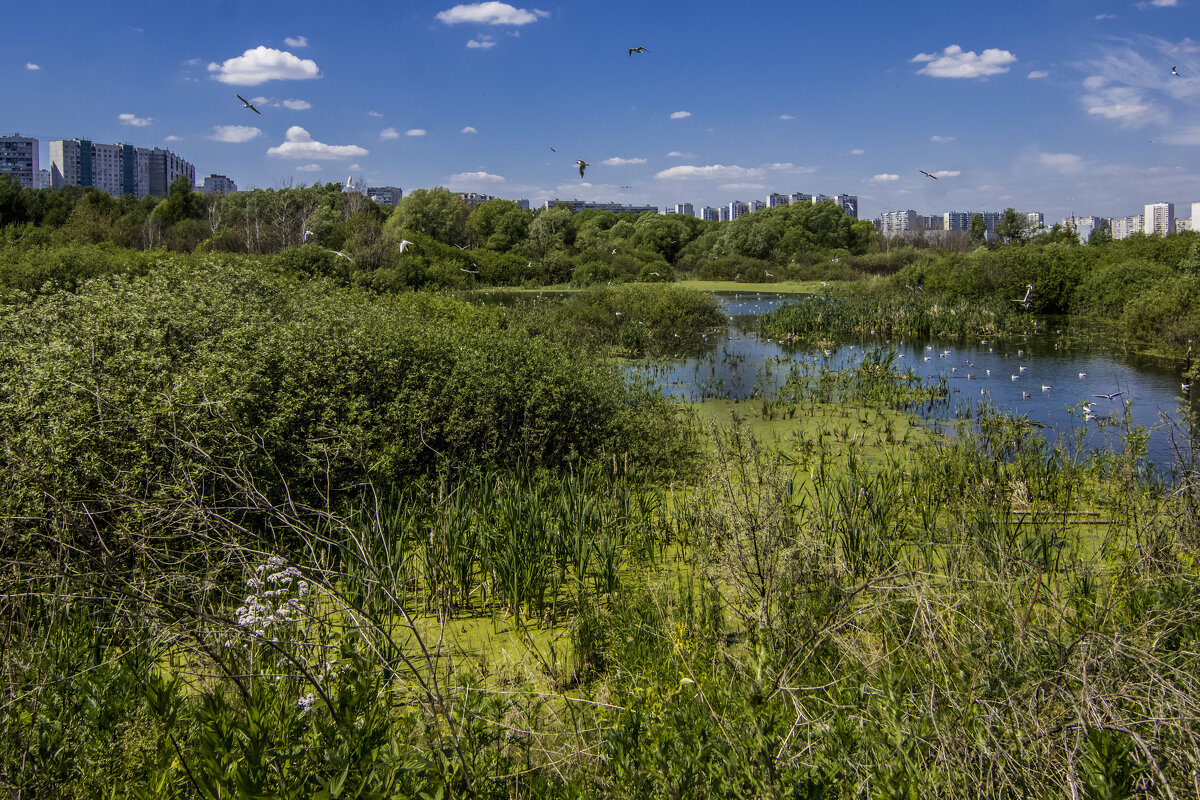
[[633, 50], [1109, 396], [928, 175], [1025, 300], [552, 150], [403, 244], [1175, 72], [343, 255], [472, 271], [582, 166], [247, 104]]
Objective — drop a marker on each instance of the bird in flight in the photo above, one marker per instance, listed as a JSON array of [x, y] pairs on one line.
[[633, 50], [1024, 301], [1175, 72], [403, 244], [582, 166], [472, 271], [1109, 396], [926, 174], [247, 104], [552, 150], [343, 255]]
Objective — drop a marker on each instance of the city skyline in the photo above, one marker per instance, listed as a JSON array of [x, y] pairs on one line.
[[995, 102]]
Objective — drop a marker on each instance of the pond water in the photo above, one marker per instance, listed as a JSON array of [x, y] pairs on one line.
[[1044, 375]]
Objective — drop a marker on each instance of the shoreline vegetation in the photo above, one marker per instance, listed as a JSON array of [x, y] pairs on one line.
[[277, 523]]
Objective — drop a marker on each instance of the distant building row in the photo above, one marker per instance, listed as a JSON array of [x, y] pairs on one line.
[[114, 168], [847, 202]]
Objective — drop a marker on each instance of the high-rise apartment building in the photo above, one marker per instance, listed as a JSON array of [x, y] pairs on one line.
[[1035, 221], [19, 158], [775, 199], [1159, 219], [116, 168], [685, 208], [385, 195], [894, 223], [1122, 227], [218, 184], [710, 214], [757, 205], [737, 208]]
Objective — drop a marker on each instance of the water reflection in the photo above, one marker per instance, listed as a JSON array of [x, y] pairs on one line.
[[1045, 375]]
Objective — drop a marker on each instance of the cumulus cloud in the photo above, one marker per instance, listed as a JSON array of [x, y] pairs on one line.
[[680, 114], [475, 177], [300, 144], [1164, 3], [617, 161], [171, 138], [31, 66], [387, 134], [234, 133], [482, 43], [134, 120], [309, 168], [885, 177], [786, 116], [296, 41], [1061, 162], [297, 105], [711, 172], [677, 154], [858, 151], [1106, 16], [953, 62], [947, 173], [490, 13], [469, 129], [936, 138], [415, 132], [264, 64], [374, 114], [1037, 73]]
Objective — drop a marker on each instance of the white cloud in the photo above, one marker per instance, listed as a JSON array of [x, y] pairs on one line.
[[490, 13], [415, 132], [677, 154], [482, 43], [1123, 103], [387, 134], [712, 172], [374, 114], [1061, 162], [309, 168], [31, 66], [885, 177], [947, 173], [617, 161], [297, 105], [742, 187], [134, 120], [469, 129], [1164, 3], [936, 138], [858, 151], [1037, 73], [171, 138], [264, 64], [475, 177], [296, 41], [234, 133], [300, 144], [786, 116], [1106, 16], [954, 63], [787, 166], [1189, 135], [680, 114]]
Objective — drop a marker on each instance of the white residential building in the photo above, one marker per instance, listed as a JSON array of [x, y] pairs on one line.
[[894, 223], [710, 214], [774, 199], [685, 208], [19, 158], [1159, 219], [737, 208], [1122, 227], [117, 169]]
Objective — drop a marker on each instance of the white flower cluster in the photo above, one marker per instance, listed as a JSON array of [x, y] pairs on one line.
[[273, 602], [306, 702]]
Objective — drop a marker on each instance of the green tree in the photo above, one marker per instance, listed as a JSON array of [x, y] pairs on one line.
[[978, 230], [1011, 227], [435, 212], [498, 225]]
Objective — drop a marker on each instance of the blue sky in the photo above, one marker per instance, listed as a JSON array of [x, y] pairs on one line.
[[1060, 106]]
